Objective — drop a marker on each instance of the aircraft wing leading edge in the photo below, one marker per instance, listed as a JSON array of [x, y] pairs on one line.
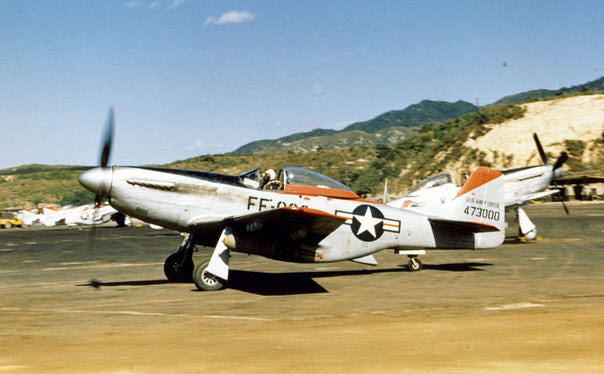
[[526, 198]]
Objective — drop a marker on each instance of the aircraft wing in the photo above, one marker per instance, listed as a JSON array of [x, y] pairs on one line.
[[288, 224], [523, 200], [282, 224]]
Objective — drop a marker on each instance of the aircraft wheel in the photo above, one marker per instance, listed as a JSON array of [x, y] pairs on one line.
[[120, 219], [175, 272], [414, 264], [204, 280]]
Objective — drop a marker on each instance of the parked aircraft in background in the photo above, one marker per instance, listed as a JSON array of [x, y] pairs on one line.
[[311, 218], [72, 216], [28, 216], [521, 185]]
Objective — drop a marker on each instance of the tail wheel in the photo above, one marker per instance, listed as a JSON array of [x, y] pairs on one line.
[[206, 281], [414, 264]]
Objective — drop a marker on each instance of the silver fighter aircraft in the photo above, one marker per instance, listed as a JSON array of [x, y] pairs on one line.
[[311, 218]]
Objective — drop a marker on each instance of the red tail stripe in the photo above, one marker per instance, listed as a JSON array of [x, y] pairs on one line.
[[479, 176]]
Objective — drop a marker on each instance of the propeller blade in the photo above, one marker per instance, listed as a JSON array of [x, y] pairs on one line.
[[98, 200], [561, 160], [565, 208], [103, 162], [540, 149], [107, 140], [93, 239]]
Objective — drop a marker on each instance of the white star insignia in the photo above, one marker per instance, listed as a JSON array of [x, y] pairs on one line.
[[368, 222]]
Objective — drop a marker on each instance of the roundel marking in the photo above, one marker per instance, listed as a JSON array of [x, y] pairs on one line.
[[367, 223]]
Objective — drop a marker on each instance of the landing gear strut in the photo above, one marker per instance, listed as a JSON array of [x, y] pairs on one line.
[[526, 228], [414, 263], [213, 275], [179, 266]]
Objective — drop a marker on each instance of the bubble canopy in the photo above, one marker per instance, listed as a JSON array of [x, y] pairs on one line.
[[433, 181], [297, 176]]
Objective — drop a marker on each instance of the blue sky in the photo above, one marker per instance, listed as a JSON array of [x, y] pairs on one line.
[[202, 77]]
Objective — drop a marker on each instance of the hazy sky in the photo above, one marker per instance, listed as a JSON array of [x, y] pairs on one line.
[[201, 77]]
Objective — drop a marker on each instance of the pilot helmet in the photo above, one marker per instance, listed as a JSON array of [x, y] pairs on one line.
[[271, 174]]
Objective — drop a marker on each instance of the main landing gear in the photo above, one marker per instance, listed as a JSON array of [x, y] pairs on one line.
[[526, 228], [212, 275], [205, 280], [179, 266], [208, 276]]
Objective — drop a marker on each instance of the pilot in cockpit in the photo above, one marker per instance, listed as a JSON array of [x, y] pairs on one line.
[[270, 181]]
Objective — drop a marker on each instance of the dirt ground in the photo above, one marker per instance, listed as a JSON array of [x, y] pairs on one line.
[[523, 307]]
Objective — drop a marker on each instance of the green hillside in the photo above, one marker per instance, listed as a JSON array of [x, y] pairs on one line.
[[260, 145], [415, 115], [31, 185], [589, 87]]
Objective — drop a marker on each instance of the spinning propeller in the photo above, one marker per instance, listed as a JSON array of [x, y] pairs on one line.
[[105, 152], [556, 168], [98, 180], [559, 162]]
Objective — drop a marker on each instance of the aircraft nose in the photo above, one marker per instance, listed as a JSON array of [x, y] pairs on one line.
[[97, 180]]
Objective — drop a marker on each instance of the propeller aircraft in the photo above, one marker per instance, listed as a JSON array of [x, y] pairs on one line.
[[311, 218]]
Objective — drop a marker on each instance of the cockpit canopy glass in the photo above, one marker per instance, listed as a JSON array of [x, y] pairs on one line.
[[294, 175], [433, 181], [251, 178]]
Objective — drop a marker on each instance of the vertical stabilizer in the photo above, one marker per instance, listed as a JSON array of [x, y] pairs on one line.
[[475, 218], [480, 199]]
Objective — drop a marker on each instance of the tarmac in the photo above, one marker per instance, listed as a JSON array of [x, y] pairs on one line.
[[70, 303]]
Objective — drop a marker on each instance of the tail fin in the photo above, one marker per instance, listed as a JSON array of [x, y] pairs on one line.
[[480, 199], [476, 216]]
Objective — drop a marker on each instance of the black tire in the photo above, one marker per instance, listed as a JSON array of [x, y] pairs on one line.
[[120, 219], [206, 281], [174, 272], [414, 264]]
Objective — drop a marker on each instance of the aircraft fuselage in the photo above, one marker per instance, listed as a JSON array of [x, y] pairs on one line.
[[201, 203]]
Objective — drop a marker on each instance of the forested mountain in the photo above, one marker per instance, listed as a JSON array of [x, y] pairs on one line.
[[593, 86], [415, 115]]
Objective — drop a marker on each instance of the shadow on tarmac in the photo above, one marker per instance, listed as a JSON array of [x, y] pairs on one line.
[[461, 266], [97, 284], [292, 283]]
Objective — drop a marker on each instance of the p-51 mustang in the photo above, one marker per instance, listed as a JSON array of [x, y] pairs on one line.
[[71, 216], [311, 219]]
